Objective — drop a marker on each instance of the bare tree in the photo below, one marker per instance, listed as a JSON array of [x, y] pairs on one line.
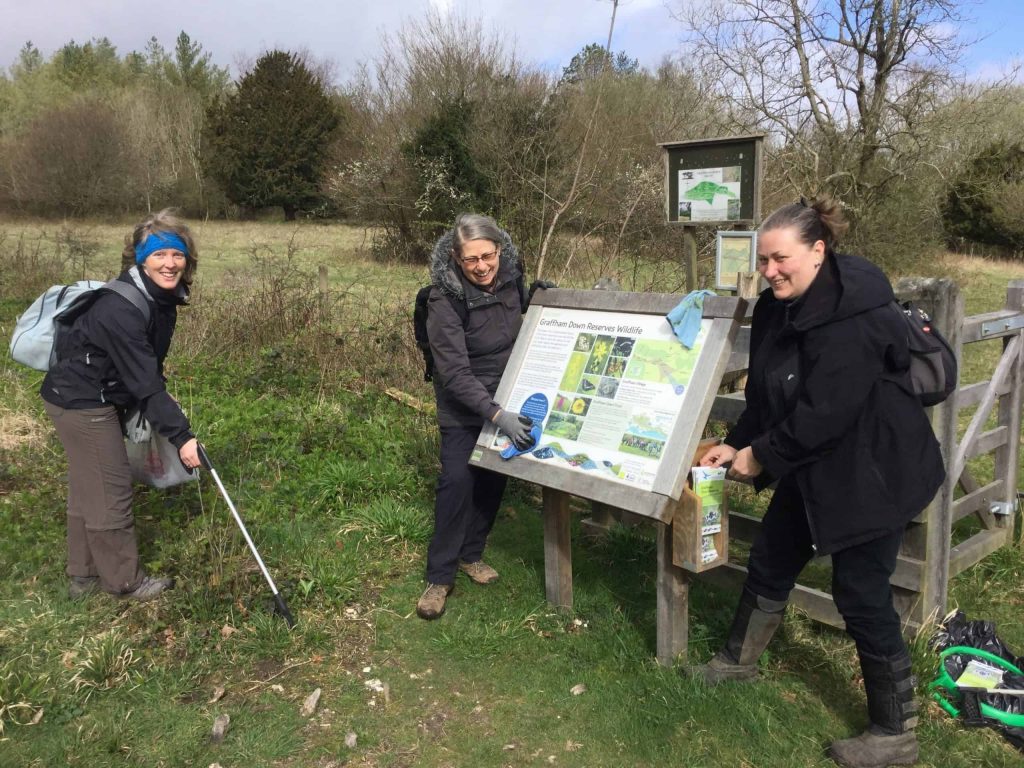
[[848, 85]]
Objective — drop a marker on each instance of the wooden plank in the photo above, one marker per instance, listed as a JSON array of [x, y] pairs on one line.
[[908, 574], [977, 500], [673, 591], [722, 140], [973, 325], [728, 307], [557, 549], [815, 603], [608, 492], [1007, 458], [976, 549], [1006, 364], [971, 394], [739, 358], [728, 407], [743, 527], [987, 442]]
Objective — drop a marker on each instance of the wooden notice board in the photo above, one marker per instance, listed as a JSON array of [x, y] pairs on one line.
[[626, 401], [623, 406]]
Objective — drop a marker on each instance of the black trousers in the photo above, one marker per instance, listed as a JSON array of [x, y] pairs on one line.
[[860, 574], [465, 507]]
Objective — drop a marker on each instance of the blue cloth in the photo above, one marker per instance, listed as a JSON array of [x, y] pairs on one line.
[[157, 241], [685, 317], [510, 450]]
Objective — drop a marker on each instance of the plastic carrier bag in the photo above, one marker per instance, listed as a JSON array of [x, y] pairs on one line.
[[980, 680], [155, 462]]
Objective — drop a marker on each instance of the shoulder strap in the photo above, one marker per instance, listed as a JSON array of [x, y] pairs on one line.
[[132, 294], [459, 305]]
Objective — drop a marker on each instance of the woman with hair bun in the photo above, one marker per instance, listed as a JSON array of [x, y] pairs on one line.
[[110, 360], [832, 417]]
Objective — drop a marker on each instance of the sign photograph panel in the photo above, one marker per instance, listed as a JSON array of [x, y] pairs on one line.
[[608, 388]]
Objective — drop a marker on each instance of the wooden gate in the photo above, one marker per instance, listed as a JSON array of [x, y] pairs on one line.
[[928, 558]]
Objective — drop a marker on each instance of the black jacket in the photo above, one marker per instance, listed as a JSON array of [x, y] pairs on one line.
[[470, 358], [829, 402], [110, 356]]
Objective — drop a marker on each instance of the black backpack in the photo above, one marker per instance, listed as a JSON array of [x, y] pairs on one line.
[[933, 368], [419, 321]]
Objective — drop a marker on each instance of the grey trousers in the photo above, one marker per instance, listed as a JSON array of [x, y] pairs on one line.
[[101, 528]]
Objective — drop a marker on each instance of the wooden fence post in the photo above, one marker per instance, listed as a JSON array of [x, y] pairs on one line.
[[557, 548], [1010, 406], [928, 538]]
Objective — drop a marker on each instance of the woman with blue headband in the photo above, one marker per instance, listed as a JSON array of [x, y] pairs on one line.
[[110, 360]]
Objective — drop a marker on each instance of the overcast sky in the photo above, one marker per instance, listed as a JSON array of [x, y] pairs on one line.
[[547, 32]]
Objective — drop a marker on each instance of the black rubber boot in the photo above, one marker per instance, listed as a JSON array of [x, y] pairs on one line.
[[890, 739], [755, 622]]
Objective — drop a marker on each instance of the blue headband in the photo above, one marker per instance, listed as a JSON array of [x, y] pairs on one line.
[[157, 241]]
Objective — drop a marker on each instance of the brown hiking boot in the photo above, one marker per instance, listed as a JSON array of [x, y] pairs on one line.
[[721, 669], [80, 587], [873, 750], [480, 572], [431, 603]]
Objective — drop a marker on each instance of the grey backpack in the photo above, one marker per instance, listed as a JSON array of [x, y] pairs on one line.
[[34, 342]]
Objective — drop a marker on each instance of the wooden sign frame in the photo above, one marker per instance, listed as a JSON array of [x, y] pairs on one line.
[[726, 154], [660, 501]]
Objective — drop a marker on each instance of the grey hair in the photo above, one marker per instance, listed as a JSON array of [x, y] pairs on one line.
[[820, 219], [475, 226]]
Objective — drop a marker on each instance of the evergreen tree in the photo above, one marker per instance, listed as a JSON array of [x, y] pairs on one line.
[[191, 68], [449, 180], [269, 141]]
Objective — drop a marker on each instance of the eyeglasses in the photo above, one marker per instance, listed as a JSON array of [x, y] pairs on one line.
[[472, 261]]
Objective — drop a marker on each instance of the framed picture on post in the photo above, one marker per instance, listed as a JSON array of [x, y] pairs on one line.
[[734, 252]]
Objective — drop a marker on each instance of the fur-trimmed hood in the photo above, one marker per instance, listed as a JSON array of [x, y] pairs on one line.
[[446, 274]]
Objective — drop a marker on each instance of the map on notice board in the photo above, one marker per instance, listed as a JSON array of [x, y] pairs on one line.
[[609, 388]]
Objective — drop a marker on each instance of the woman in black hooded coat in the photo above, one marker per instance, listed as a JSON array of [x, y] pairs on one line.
[[831, 417]]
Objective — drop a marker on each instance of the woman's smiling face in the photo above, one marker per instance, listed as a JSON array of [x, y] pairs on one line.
[[479, 261], [165, 267], [787, 264]]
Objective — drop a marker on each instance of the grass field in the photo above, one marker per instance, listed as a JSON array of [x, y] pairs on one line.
[[335, 480]]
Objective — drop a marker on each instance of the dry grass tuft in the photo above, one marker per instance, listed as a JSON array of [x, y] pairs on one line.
[[19, 429]]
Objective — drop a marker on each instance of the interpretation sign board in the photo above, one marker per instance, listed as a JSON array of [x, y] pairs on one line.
[[615, 383], [621, 400], [734, 252], [713, 181]]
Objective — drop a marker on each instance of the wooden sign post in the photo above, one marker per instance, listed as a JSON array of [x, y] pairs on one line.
[[623, 405]]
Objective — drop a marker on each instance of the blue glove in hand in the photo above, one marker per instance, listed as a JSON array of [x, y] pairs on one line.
[[517, 427]]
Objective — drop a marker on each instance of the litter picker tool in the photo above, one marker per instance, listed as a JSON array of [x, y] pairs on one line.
[[282, 606]]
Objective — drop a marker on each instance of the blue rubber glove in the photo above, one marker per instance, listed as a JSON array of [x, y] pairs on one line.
[[685, 317]]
